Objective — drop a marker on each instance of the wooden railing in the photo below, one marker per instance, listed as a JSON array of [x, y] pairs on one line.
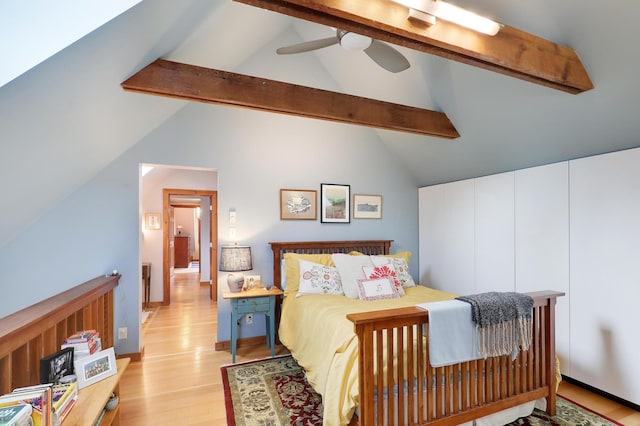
[[394, 342], [30, 334]]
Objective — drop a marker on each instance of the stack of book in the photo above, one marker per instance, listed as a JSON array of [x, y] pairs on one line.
[[16, 415], [84, 343], [38, 397], [63, 398], [40, 405]]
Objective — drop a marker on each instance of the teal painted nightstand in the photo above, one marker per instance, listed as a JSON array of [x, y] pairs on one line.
[[252, 302]]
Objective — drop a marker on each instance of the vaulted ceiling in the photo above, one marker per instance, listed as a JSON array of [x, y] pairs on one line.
[[54, 131]]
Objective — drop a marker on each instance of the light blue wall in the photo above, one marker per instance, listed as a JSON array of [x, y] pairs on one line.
[[97, 228]]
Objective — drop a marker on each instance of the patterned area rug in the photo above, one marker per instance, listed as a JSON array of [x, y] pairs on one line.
[[274, 391]]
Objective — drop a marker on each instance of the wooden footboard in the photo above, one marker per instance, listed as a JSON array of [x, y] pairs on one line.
[[453, 394]]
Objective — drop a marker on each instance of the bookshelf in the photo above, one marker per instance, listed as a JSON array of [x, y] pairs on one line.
[[93, 398]]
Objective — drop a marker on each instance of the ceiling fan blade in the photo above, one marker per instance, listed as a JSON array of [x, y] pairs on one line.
[[387, 57], [308, 46]]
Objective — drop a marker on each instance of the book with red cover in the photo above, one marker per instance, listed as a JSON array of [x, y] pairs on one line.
[[83, 336]]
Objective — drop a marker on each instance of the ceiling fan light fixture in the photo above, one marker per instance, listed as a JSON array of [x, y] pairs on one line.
[[353, 41], [455, 14]]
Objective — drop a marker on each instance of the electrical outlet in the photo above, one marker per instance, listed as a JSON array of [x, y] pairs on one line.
[[122, 333], [249, 318]]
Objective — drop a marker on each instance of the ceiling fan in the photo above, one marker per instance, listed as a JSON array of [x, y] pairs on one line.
[[382, 54]]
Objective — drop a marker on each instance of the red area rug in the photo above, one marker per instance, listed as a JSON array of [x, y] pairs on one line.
[[274, 391], [271, 391]]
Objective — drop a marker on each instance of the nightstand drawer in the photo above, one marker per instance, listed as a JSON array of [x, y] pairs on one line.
[[253, 304]]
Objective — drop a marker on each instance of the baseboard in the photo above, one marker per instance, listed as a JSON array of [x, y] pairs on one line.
[[135, 356], [602, 393], [225, 345]]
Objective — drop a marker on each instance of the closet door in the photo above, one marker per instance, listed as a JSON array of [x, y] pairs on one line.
[[446, 234], [494, 233], [605, 276], [542, 242]]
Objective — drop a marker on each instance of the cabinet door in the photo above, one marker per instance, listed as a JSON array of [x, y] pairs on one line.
[[542, 241], [446, 233], [494, 233], [605, 276]]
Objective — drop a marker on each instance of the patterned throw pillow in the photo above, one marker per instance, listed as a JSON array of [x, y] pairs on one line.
[[384, 271], [318, 279], [377, 288], [401, 266]]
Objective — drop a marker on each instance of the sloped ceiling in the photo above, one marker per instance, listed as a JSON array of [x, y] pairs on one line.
[[67, 118]]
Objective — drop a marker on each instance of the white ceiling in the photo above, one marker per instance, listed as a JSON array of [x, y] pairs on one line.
[[505, 123]]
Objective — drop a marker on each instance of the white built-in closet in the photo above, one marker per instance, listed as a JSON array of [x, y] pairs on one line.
[[572, 226]]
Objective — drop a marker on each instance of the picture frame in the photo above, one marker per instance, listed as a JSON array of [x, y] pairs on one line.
[[298, 204], [55, 366], [95, 367], [367, 206], [252, 281], [153, 221], [335, 203]]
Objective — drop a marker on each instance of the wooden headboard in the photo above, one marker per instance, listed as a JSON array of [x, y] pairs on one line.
[[375, 247]]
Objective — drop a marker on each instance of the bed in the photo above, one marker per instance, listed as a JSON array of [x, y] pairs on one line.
[[354, 351]]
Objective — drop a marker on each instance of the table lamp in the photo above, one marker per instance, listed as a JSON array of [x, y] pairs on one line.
[[235, 259]]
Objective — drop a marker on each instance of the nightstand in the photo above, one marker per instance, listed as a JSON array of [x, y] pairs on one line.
[[252, 302]]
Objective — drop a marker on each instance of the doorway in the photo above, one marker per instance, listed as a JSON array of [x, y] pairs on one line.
[[207, 235]]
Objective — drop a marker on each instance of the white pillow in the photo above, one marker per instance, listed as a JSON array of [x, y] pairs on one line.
[[377, 288], [384, 271], [350, 269], [283, 276], [402, 269], [318, 279]]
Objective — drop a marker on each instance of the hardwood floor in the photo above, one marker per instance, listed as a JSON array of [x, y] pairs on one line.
[[179, 381]]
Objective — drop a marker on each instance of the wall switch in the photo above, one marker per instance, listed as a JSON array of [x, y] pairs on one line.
[[122, 333], [249, 318]]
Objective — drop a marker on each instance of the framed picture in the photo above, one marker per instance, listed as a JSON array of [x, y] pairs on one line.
[[96, 367], [152, 221], [367, 206], [298, 204], [53, 367], [335, 203], [252, 281]]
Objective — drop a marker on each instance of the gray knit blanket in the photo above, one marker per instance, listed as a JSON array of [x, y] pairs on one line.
[[503, 321]]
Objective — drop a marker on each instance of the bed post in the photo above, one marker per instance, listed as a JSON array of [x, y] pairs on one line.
[[550, 333]]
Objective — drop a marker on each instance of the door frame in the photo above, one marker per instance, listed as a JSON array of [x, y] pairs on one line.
[[213, 238]]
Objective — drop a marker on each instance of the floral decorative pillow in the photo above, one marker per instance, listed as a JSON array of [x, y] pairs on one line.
[[401, 266], [384, 271], [377, 288], [318, 279]]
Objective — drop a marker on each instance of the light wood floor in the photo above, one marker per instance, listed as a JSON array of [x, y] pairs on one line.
[[179, 382]]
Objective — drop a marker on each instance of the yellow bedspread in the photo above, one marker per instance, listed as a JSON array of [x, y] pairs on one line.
[[320, 337]]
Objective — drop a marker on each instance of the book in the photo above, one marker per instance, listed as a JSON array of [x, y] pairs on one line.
[[83, 349], [40, 399], [62, 395], [83, 336], [16, 415], [65, 409]]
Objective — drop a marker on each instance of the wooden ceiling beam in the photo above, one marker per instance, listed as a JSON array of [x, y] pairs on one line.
[[511, 52], [193, 83]]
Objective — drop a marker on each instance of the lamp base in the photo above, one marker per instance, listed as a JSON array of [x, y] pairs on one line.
[[235, 282]]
